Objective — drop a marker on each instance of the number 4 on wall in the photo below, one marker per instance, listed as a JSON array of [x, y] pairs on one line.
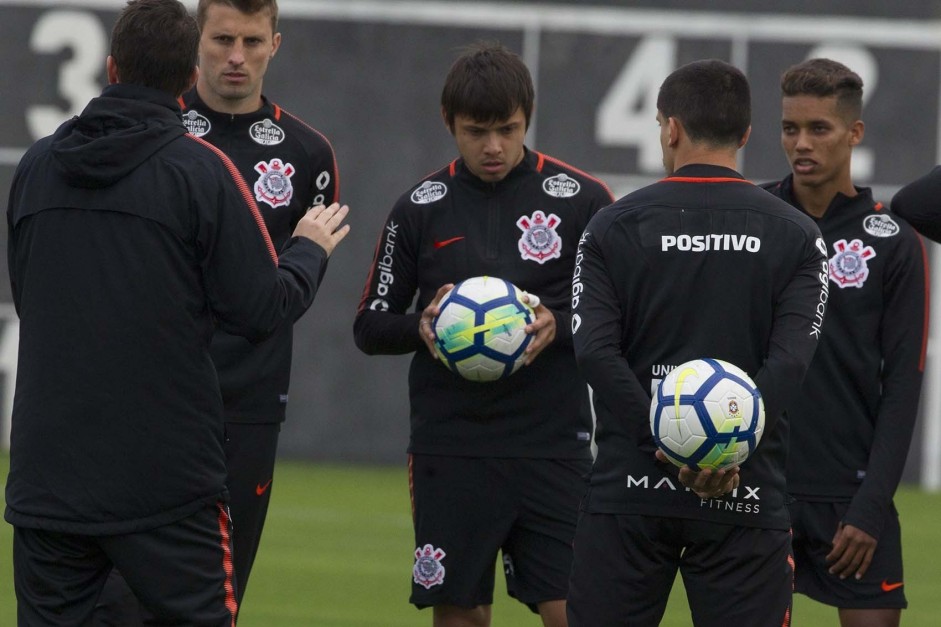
[[627, 114]]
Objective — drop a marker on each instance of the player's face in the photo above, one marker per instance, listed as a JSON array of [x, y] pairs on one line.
[[818, 140], [234, 50], [490, 149]]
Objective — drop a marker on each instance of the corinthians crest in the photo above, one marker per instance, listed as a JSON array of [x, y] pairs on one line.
[[274, 185], [848, 267], [428, 570], [539, 241]]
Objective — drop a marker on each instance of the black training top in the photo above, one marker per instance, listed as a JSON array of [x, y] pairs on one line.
[[452, 226], [289, 167], [852, 424], [700, 264]]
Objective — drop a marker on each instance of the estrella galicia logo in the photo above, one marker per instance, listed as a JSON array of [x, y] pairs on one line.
[[561, 186], [428, 192], [266, 133], [880, 225], [196, 123]]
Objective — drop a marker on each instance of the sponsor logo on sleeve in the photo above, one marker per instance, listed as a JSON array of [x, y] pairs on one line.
[[848, 266], [428, 570], [196, 123], [880, 225], [266, 133], [274, 185], [539, 242], [577, 286], [561, 186], [821, 246], [428, 192], [385, 260]]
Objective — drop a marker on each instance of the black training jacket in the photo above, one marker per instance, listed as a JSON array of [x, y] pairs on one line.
[[852, 425], [700, 264], [919, 202], [525, 229], [129, 240], [289, 167]]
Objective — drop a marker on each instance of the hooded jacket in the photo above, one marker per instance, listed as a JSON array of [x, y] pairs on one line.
[[130, 241]]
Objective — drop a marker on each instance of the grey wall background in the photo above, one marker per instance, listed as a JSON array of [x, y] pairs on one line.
[[368, 75]]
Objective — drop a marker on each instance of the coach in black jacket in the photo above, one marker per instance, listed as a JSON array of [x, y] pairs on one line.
[[129, 240]]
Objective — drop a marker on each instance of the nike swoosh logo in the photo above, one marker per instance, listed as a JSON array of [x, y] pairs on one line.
[[445, 242], [261, 489], [889, 587]]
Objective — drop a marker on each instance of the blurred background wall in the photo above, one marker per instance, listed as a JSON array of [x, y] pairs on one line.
[[368, 74]]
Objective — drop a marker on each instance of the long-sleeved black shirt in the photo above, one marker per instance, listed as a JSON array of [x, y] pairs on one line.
[[700, 264], [852, 424], [289, 167], [525, 229]]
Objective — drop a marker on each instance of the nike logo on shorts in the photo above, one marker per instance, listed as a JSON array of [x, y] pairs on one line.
[[261, 489], [889, 587]]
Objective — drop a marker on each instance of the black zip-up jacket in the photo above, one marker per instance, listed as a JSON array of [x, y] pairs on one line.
[[919, 202], [700, 264], [129, 240], [452, 226], [852, 424], [289, 167]]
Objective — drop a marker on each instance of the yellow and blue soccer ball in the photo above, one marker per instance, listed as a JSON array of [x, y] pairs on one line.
[[480, 328], [707, 413]]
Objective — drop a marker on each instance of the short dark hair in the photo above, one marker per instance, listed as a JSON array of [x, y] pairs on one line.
[[487, 83], [248, 7], [712, 100], [824, 78], [155, 43]]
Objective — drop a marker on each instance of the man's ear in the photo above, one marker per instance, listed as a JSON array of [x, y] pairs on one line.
[[675, 129], [745, 137], [447, 125], [193, 78], [857, 131], [112, 69]]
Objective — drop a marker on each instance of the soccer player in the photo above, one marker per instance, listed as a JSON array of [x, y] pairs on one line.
[[289, 167], [495, 466], [852, 424], [700, 264], [129, 241]]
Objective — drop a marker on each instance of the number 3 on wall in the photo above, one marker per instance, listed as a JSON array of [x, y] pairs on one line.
[[83, 34]]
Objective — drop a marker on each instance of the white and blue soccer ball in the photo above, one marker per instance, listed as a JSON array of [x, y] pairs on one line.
[[707, 413], [480, 328]]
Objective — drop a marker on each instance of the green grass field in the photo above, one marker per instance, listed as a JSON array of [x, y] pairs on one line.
[[337, 552]]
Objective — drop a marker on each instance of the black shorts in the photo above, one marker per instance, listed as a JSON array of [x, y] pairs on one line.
[[814, 524], [625, 566], [181, 572], [468, 509]]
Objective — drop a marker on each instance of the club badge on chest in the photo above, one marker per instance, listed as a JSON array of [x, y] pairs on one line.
[[539, 242], [274, 187]]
